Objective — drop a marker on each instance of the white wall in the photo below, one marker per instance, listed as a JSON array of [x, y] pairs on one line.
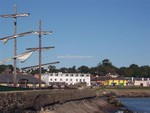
[[138, 82], [69, 78]]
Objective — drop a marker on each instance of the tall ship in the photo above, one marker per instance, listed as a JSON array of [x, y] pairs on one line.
[[24, 56]]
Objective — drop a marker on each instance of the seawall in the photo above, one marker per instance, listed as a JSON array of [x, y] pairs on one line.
[[21, 101], [63, 101]]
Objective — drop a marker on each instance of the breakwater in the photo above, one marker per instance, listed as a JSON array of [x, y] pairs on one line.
[[63, 101], [21, 101]]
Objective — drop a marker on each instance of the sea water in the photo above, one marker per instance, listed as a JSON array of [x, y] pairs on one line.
[[137, 105]]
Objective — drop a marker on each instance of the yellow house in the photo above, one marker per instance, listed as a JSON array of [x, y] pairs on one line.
[[115, 82]]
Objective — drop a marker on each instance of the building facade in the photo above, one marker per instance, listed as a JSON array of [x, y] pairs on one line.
[[115, 82], [140, 81], [22, 80], [67, 78], [109, 80]]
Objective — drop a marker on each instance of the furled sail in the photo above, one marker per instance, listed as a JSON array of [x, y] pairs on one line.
[[24, 56], [37, 66], [6, 60], [5, 39]]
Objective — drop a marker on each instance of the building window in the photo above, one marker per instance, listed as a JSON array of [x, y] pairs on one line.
[[83, 80], [82, 75], [87, 75], [66, 79], [77, 80], [71, 75], [51, 79], [55, 79], [51, 74], [56, 74], [80, 80], [66, 74], [70, 79], [76, 75], [60, 79]]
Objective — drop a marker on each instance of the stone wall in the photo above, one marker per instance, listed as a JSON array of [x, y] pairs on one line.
[[18, 102]]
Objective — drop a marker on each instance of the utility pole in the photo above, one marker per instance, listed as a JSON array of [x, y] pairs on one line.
[[15, 15]]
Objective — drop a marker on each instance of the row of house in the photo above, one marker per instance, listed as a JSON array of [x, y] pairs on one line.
[[50, 79], [76, 78], [115, 80], [107, 80]]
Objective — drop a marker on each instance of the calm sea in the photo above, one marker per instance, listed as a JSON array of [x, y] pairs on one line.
[[138, 105]]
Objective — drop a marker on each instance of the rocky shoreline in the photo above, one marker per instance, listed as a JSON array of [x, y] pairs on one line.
[[133, 93], [111, 96]]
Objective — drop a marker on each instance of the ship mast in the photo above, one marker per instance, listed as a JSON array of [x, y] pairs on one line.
[[15, 44], [40, 48], [40, 53], [40, 33], [15, 16]]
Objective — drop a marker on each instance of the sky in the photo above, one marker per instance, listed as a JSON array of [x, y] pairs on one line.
[[85, 32]]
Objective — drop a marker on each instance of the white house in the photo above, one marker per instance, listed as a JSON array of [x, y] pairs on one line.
[[143, 82], [67, 78]]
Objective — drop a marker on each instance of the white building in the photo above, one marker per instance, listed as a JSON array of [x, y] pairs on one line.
[[68, 78], [143, 82]]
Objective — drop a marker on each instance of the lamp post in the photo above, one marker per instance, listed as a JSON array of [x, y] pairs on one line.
[[15, 16]]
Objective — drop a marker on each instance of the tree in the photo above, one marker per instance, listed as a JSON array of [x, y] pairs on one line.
[[93, 70], [2, 68], [121, 71], [83, 69], [34, 71], [52, 69], [72, 70], [11, 67], [63, 70], [105, 67], [135, 70], [145, 71], [106, 62]]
